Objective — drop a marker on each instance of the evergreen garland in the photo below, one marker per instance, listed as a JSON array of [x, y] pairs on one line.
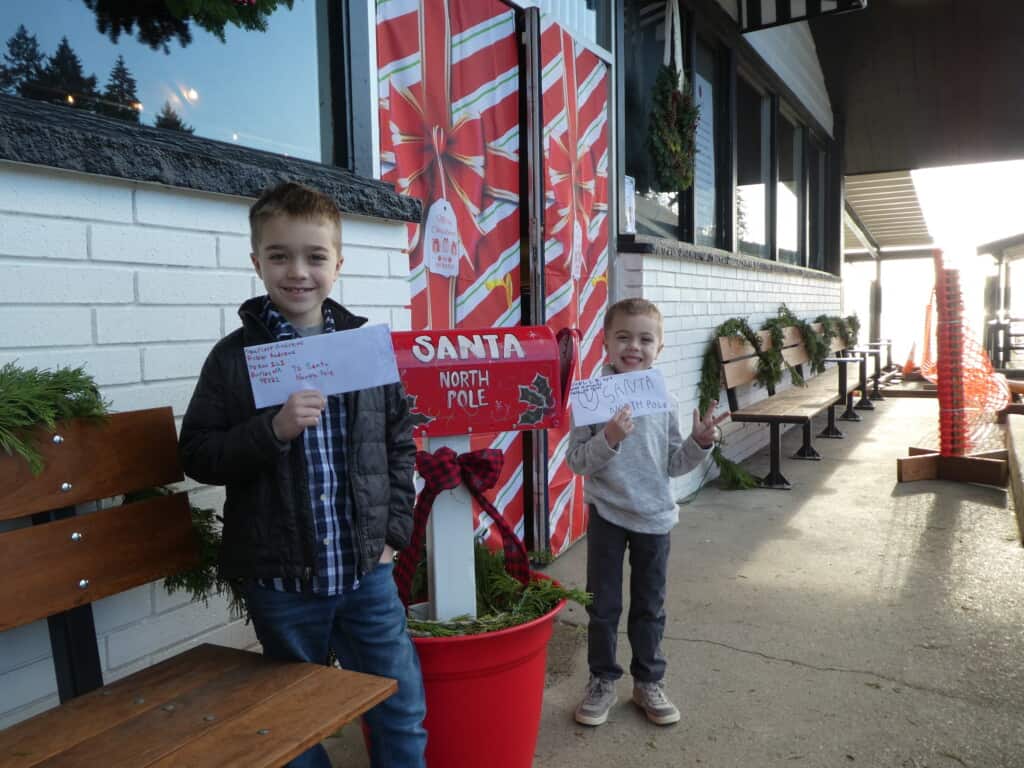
[[828, 329], [731, 476], [671, 133], [30, 398], [204, 581], [847, 329], [501, 600], [853, 326], [776, 329], [817, 346]]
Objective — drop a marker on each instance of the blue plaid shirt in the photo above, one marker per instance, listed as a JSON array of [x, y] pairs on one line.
[[324, 444]]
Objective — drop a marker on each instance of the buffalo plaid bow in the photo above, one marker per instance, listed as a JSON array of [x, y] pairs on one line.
[[442, 471]]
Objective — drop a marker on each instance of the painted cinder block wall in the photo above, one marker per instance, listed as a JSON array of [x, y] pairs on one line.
[[136, 282]]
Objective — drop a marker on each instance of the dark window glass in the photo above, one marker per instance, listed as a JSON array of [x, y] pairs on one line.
[[788, 193], [751, 169], [705, 185], [657, 211], [258, 89], [816, 206]]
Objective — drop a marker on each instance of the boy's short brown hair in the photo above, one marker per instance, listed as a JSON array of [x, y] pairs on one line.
[[631, 307], [290, 198]]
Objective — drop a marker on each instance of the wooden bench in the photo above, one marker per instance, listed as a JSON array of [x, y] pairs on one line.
[[208, 706], [795, 405]]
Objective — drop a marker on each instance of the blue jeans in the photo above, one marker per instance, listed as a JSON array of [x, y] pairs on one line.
[[366, 629]]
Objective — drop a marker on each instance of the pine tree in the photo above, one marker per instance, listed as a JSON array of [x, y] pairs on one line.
[[119, 97], [170, 120], [63, 80], [23, 62]]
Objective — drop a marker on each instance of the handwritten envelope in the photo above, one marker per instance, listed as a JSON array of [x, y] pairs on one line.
[[344, 361], [595, 401]]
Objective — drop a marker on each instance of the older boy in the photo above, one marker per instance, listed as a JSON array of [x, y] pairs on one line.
[[628, 463], [320, 490]]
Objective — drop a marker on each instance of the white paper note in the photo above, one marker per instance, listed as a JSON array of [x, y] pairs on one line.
[[332, 363], [595, 401]]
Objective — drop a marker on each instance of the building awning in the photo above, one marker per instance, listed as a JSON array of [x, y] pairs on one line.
[[884, 217], [1008, 249], [761, 14]]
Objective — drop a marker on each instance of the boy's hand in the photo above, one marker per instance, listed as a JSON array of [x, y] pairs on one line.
[[615, 431], [301, 410], [705, 427]]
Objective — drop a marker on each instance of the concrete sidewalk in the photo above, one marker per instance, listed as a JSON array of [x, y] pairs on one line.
[[850, 621]]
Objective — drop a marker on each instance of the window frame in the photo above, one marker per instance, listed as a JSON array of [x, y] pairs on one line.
[[707, 21]]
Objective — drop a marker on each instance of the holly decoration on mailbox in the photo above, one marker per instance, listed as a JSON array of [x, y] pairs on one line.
[[540, 400]]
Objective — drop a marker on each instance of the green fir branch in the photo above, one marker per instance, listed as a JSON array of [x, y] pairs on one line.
[[501, 600], [30, 398], [731, 476]]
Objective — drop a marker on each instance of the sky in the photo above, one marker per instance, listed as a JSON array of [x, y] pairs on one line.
[[259, 89], [969, 205]]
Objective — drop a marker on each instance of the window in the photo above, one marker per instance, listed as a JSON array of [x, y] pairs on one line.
[[789, 143], [705, 186], [816, 179], [752, 167], [256, 89], [657, 211]]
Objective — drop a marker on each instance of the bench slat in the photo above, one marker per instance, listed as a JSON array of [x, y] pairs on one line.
[[120, 548], [160, 731], [297, 717], [301, 704], [127, 452], [31, 741], [794, 405]]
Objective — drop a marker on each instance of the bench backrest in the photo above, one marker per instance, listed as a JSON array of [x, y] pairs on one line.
[[739, 360], [50, 565]]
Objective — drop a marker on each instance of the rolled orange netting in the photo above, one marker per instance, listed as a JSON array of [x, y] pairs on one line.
[[970, 391]]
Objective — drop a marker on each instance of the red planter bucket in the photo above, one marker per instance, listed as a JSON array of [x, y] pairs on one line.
[[484, 695]]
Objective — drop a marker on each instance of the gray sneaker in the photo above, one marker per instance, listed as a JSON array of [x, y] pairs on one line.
[[597, 701], [651, 698]]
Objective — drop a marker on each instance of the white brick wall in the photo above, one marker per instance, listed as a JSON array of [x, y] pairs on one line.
[[136, 282], [695, 297]]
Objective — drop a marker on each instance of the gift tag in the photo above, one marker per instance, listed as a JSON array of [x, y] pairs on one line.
[[441, 239], [577, 250]]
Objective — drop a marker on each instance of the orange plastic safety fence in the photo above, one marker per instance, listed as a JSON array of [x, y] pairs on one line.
[[970, 391]]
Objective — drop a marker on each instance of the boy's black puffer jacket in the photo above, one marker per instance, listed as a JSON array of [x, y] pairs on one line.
[[268, 522]]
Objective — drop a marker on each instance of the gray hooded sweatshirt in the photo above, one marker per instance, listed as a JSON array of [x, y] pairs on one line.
[[629, 485]]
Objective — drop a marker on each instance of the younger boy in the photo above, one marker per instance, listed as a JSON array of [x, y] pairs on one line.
[[319, 490], [628, 463]]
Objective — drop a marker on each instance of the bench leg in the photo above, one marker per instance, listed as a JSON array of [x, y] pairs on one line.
[[807, 450], [774, 478], [849, 414], [864, 404], [876, 393], [831, 430]]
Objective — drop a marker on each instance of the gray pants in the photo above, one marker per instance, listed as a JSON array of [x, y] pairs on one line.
[[648, 564]]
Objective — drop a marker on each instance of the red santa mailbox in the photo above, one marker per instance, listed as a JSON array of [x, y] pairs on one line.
[[487, 380], [461, 381]]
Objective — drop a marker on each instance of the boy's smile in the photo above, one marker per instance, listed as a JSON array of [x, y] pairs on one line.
[[298, 261], [633, 342]]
